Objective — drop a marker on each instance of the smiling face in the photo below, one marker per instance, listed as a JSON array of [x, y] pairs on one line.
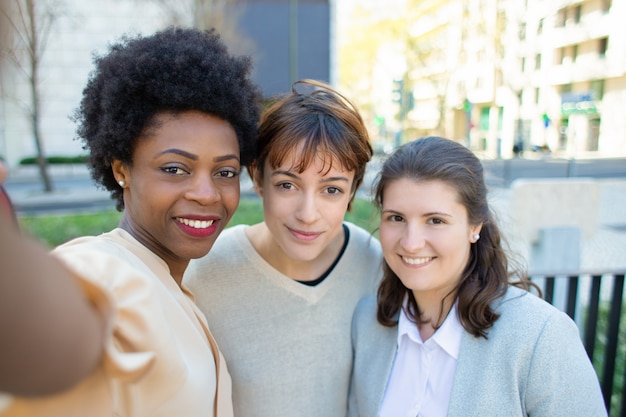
[[425, 236], [303, 213], [182, 187]]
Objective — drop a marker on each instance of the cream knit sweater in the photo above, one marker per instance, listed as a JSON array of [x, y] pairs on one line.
[[287, 345]]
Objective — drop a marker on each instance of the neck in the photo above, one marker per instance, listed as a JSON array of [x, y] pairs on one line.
[[433, 312], [301, 270], [177, 269]]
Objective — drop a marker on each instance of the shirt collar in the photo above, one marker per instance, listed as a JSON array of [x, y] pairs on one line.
[[448, 336]]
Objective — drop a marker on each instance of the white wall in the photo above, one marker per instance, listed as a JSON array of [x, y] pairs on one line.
[[88, 26]]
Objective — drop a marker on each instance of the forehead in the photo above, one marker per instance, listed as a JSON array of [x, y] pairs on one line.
[[192, 132], [420, 193], [300, 159]]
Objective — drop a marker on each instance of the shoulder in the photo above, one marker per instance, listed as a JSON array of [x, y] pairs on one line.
[[114, 258], [105, 249], [365, 311], [522, 301], [231, 257], [366, 330], [231, 235], [227, 243], [523, 312], [365, 305], [363, 239], [362, 261], [359, 232]]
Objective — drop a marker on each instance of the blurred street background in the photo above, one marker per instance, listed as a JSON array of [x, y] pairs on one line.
[[535, 88], [605, 249]]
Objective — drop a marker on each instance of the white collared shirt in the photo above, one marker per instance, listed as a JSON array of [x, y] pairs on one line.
[[421, 378]]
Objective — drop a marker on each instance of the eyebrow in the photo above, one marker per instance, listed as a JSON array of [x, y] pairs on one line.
[[292, 175], [438, 213], [429, 214], [195, 157]]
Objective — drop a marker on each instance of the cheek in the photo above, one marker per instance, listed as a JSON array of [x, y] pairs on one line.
[[461, 249], [231, 197], [386, 237], [336, 213], [273, 207]]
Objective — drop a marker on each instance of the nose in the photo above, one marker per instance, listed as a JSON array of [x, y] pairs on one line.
[[413, 238], [307, 210], [203, 190]]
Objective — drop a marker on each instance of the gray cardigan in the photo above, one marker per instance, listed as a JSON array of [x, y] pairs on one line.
[[532, 364]]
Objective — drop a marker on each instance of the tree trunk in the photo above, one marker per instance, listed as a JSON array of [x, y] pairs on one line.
[[36, 99]]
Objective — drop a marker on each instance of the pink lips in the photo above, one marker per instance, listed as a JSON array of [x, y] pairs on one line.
[[304, 236]]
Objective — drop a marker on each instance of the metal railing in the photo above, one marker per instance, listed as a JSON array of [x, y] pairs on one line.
[[594, 299]]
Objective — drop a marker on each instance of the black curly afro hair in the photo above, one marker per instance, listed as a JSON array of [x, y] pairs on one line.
[[174, 70]]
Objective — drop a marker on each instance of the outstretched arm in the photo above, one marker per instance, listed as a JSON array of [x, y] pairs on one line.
[[52, 336]]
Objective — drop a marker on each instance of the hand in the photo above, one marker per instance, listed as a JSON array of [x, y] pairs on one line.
[[3, 172], [6, 208]]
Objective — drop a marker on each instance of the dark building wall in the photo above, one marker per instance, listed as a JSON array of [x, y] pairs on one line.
[[266, 25]]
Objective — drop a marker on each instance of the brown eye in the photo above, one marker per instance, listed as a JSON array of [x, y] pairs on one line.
[[174, 170], [227, 173]]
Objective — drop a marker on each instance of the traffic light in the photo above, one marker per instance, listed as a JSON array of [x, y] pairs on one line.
[[398, 91]]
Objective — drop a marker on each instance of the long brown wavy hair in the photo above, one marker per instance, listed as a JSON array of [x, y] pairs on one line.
[[486, 275]]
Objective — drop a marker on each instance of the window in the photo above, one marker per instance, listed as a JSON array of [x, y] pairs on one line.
[[538, 61], [523, 64], [576, 13], [559, 56], [540, 27], [606, 5], [566, 88], [594, 134], [597, 87], [484, 118], [537, 95], [574, 53], [561, 17], [602, 46]]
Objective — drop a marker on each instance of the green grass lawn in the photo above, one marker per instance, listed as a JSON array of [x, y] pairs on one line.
[[57, 229]]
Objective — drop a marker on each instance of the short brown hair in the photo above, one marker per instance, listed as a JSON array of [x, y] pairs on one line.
[[323, 121]]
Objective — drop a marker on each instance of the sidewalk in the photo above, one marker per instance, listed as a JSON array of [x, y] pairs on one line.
[[73, 191]]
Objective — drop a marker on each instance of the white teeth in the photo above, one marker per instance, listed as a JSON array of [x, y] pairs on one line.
[[416, 261], [196, 224]]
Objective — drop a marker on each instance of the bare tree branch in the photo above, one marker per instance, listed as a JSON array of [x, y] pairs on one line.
[[32, 22]]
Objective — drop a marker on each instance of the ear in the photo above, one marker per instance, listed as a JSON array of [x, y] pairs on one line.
[[475, 233], [120, 172], [257, 180], [351, 201]]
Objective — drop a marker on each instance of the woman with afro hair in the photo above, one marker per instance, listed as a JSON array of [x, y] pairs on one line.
[[169, 120]]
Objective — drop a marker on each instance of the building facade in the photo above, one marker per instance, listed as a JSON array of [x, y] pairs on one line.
[[535, 75], [572, 68], [287, 40]]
